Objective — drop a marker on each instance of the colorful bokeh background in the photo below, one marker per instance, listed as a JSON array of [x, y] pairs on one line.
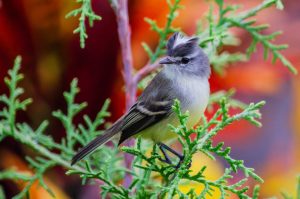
[[38, 31]]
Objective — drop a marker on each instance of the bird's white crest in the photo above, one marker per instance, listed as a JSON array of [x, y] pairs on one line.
[[180, 39]]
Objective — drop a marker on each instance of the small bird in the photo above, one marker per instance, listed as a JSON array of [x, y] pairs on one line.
[[184, 77]]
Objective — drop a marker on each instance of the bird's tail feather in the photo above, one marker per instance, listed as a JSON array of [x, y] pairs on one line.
[[98, 141]]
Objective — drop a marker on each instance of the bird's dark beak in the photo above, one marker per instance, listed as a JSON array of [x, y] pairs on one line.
[[167, 60]]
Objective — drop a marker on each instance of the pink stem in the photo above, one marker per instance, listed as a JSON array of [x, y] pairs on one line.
[[121, 11], [146, 70]]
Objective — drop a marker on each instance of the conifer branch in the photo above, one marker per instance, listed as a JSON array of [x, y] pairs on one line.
[[85, 13]]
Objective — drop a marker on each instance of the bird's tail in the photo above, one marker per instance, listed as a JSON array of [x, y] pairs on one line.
[[98, 141]]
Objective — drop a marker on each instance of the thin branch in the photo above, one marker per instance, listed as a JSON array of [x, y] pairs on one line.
[[121, 11], [146, 70]]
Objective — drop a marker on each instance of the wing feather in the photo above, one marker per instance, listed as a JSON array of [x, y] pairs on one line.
[[142, 115]]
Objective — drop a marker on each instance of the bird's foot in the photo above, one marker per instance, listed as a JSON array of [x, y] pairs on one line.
[[181, 161], [167, 160]]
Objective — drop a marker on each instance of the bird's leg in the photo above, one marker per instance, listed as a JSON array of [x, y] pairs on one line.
[[167, 159], [162, 146]]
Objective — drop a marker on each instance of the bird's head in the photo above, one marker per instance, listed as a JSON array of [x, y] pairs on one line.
[[184, 52]]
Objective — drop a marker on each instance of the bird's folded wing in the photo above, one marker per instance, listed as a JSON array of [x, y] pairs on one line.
[[144, 114]]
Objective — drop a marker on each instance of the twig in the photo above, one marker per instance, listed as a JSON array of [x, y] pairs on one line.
[[121, 11], [146, 70]]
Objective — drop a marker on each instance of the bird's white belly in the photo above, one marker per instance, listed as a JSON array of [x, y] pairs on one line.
[[195, 101]]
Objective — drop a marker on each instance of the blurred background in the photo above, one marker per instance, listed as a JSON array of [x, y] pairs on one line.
[[38, 31]]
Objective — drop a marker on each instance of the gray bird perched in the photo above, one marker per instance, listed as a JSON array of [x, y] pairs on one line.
[[184, 77]]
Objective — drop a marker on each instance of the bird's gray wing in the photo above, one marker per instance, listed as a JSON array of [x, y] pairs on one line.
[[153, 105], [142, 116]]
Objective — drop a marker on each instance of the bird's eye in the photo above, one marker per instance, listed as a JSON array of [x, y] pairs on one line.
[[185, 60]]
